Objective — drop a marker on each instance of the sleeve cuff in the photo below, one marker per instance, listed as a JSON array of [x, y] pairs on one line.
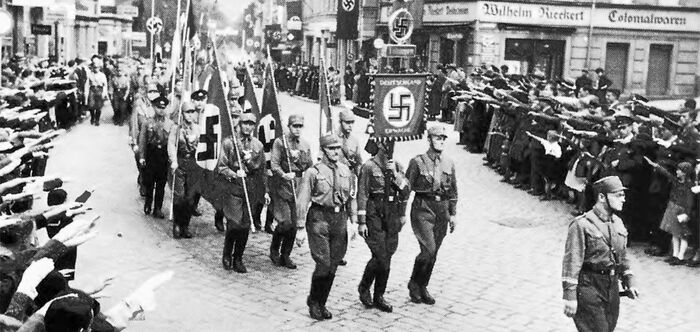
[[570, 294]]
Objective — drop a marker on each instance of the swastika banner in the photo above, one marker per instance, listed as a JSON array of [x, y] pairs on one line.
[[399, 106], [347, 18]]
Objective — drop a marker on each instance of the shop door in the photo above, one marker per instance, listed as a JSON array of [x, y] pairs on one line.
[[659, 68], [102, 47], [616, 64], [447, 50]]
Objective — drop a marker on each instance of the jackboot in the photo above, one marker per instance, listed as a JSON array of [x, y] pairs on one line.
[[379, 289], [327, 284], [365, 283], [227, 257], [313, 300], [219, 221], [241, 239], [275, 248], [286, 248], [427, 272], [176, 231], [415, 284]]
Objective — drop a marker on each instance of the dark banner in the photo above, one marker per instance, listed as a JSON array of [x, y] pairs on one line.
[[294, 22], [273, 34], [399, 106], [348, 13]]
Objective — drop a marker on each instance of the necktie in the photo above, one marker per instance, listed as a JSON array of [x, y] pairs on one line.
[[436, 174], [336, 193]]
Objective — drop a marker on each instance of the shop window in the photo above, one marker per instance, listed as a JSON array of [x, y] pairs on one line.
[[535, 56], [447, 50]]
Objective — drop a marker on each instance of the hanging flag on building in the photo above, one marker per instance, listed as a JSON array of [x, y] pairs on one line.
[[294, 21], [326, 121], [270, 125], [273, 34], [346, 19]]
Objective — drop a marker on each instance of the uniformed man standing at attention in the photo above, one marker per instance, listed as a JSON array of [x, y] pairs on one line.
[[286, 177], [350, 150], [381, 213], [250, 150], [182, 149], [595, 259], [327, 186], [153, 151], [432, 177]]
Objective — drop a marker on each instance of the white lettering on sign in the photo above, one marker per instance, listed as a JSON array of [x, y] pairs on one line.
[[399, 105], [399, 81], [562, 15]]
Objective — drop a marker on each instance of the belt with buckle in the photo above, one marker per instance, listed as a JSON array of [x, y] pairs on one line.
[[608, 271], [382, 196], [333, 209], [430, 197]]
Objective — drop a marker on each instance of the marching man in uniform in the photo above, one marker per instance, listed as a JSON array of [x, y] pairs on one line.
[[381, 213], [350, 150], [432, 177], [286, 178], [235, 210], [595, 259], [153, 150], [327, 186]]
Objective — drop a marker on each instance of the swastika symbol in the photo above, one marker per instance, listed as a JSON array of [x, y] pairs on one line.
[[210, 138], [399, 105], [401, 27], [348, 5]]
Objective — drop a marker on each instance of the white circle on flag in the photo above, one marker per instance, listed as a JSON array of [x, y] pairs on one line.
[[154, 24], [399, 106], [348, 5], [249, 42]]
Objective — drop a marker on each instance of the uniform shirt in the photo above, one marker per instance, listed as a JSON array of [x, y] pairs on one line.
[[154, 133], [300, 157], [350, 152], [142, 112], [252, 154], [371, 181], [327, 184], [587, 243], [183, 141], [431, 173]]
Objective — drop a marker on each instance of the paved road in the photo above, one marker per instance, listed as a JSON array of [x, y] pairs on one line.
[[499, 271]]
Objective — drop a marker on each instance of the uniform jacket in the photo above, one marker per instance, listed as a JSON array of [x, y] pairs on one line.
[[154, 133], [327, 184], [253, 157], [350, 152], [371, 181], [430, 173], [299, 152]]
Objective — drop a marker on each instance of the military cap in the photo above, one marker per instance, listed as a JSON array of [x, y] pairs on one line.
[[495, 69], [347, 115], [200, 94], [437, 130], [330, 140], [160, 102], [187, 106], [608, 184], [296, 119], [248, 117]]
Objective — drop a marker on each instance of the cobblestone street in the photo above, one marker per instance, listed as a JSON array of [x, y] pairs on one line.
[[499, 271]]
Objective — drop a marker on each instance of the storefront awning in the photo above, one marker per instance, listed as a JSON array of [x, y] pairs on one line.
[[550, 28]]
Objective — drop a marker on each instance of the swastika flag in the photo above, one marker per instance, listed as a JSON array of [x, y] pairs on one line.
[[348, 14], [399, 105]]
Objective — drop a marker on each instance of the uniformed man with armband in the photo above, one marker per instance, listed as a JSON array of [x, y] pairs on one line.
[[595, 260], [327, 188], [153, 151], [432, 177], [381, 213]]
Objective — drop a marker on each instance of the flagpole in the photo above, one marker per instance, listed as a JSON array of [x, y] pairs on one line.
[[177, 32], [235, 142], [284, 137]]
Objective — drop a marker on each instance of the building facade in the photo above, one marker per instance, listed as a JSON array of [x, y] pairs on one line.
[[647, 47]]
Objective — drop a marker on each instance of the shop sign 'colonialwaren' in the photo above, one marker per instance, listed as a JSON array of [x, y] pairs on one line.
[[560, 15]]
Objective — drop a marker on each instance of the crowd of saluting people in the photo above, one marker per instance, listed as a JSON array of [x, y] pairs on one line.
[[41, 223], [555, 138]]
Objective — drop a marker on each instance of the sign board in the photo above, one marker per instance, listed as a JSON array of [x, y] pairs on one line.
[[138, 39], [55, 13], [399, 106], [614, 17], [126, 10], [5, 21], [399, 51], [41, 29], [31, 3], [454, 35]]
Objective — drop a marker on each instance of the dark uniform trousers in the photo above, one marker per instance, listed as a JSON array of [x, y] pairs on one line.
[[155, 175], [237, 226], [429, 220], [184, 195], [119, 105], [284, 234], [598, 297], [383, 221], [328, 242]]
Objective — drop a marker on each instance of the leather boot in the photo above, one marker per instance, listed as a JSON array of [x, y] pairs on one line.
[[241, 239], [275, 249], [327, 284], [414, 285], [176, 231], [379, 289], [365, 283], [227, 257], [313, 299], [219, 221], [427, 272], [287, 262]]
